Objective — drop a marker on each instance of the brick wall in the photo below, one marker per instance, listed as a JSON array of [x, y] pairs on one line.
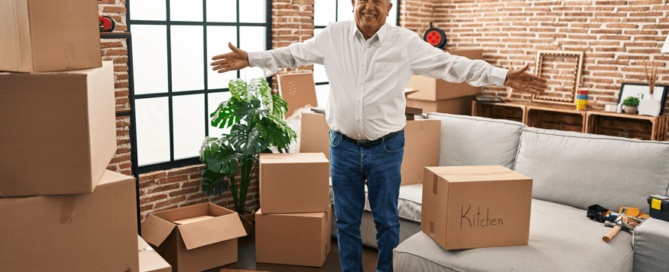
[[416, 15], [292, 22], [616, 36]]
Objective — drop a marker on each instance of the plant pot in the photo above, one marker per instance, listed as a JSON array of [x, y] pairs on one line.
[[630, 109], [248, 218]]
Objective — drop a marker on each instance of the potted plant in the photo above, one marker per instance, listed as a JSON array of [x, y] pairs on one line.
[[256, 121], [631, 103]]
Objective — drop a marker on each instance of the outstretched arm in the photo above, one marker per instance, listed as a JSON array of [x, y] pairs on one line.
[[295, 55], [432, 62]]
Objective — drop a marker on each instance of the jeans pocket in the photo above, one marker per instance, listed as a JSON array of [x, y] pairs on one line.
[[395, 144], [335, 138]]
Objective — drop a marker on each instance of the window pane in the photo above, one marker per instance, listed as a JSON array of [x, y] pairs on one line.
[[149, 56], [319, 73], [322, 92], [345, 12], [392, 19], [324, 12], [213, 101], [153, 10], [188, 125], [218, 38], [185, 10], [222, 11], [252, 11], [252, 38], [153, 136], [187, 58]]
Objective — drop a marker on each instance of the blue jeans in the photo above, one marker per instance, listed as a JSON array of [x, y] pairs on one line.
[[381, 166]]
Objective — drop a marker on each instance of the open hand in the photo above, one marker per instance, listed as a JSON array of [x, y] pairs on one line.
[[521, 81], [236, 60]]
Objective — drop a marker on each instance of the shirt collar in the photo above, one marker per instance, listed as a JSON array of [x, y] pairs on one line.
[[381, 33]]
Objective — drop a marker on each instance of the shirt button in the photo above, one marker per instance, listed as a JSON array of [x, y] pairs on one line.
[[363, 65], [358, 101], [358, 119], [360, 83]]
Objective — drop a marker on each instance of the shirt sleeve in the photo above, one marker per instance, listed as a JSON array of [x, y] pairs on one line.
[[309, 52], [426, 60]]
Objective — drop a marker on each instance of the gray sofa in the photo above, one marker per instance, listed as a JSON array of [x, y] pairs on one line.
[[571, 171]]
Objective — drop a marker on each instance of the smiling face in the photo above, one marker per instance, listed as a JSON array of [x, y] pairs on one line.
[[370, 15]]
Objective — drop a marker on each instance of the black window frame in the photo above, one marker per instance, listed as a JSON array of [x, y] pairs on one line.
[[172, 163]]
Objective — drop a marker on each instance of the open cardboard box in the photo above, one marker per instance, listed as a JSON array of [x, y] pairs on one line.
[[294, 182], [195, 238], [149, 259], [66, 120], [45, 36], [82, 232], [294, 238], [476, 206]]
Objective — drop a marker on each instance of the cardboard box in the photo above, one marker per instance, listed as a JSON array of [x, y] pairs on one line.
[[196, 244], [58, 131], [430, 89], [293, 239], [460, 105], [294, 183], [84, 232], [421, 149], [149, 260], [45, 36], [314, 134], [476, 206], [299, 90]]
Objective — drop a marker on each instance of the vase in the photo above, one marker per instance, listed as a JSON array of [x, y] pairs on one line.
[[649, 107], [630, 109]]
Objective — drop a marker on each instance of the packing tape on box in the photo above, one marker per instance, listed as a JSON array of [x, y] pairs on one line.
[[67, 206], [8, 184], [69, 53], [479, 174]]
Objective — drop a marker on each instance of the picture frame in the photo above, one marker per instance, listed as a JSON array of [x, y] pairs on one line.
[[634, 89], [579, 55]]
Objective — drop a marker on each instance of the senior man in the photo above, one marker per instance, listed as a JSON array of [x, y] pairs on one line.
[[368, 63]]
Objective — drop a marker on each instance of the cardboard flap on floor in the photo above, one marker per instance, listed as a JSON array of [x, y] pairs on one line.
[[207, 232], [156, 229]]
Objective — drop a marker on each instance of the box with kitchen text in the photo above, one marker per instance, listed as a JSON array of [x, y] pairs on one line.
[[194, 238], [476, 206]]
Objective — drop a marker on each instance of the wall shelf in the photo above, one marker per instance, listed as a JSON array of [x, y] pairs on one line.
[[565, 118]]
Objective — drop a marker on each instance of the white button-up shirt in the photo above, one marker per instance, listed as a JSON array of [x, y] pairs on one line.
[[367, 77]]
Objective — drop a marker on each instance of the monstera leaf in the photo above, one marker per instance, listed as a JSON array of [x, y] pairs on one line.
[[213, 183], [276, 131], [247, 139]]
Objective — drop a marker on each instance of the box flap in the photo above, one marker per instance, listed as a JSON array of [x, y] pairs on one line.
[[476, 173], [155, 230], [298, 90], [207, 232], [141, 244], [293, 158]]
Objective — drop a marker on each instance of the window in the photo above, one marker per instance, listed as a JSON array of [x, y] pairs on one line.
[[326, 11], [175, 89]]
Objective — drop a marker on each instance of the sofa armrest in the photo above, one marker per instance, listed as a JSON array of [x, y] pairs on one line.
[[651, 244]]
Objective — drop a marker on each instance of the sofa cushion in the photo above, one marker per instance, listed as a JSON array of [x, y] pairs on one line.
[[580, 169], [651, 244], [409, 204], [562, 238], [467, 140]]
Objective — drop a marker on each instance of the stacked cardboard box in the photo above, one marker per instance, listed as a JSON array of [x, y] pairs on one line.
[[420, 138], [436, 95], [293, 224], [61, 209]]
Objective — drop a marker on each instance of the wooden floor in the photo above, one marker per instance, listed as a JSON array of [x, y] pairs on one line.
[[247, 260]]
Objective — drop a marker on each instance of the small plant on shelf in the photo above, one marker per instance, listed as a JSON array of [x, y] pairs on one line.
[[256, 121], [631, 103]]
